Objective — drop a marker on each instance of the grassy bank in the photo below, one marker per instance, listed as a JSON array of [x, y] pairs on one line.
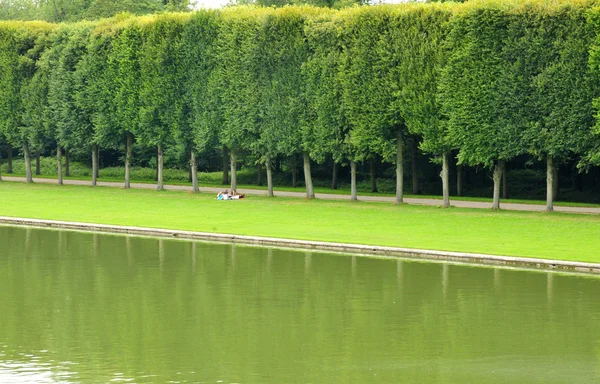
[[552, 236]]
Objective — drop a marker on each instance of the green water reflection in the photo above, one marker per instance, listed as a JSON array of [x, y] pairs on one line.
[[96, 308]]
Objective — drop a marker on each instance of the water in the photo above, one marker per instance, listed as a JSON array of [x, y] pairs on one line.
[[95, 308]]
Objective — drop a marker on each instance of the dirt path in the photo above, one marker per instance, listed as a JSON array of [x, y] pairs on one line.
[[328, 196]]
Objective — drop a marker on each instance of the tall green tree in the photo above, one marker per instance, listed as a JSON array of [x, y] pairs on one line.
[[92, 97], [369, 96], [325, 127], [236, 76], [479, 91], [162, 88], [121, 91], [416, 53], [282, 51], [563, 88], [21, 45], [201, 107]]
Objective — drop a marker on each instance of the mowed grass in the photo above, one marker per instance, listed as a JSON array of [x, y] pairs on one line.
[[542, 235]]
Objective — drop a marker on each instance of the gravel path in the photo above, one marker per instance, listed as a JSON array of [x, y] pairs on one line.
[[328, 196]]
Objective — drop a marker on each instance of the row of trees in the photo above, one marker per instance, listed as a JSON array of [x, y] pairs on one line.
[[486, 80]]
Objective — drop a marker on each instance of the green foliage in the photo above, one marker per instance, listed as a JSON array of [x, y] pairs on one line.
[[282, 50], [22, 91], [73, 10], [480, 88], [236, 76], [162, 79], [201, 107], [325, 127], [368, 93], [491, 80], [416, 55]]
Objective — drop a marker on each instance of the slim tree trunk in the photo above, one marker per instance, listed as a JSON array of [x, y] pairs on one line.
[[160, 167], [225, 179], [353, 193], [68, 163], [59, 164], [497, 182], [294, 172], [504, 184], [373, 173], [38, 171], [128, 159], [259, 174], [310, 192], [194, 171], [27, 155], [549, 184], [399, 169], [555, 184], [156, 171], [97, 162], [334, 183], [9, 160], [445, 175], [269, 177], [94, 165], [416, 188], [233, 157], [0, 166]]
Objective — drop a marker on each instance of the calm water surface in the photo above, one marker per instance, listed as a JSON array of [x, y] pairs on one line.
[[98, 308]]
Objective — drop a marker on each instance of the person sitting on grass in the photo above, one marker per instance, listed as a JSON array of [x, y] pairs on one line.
[[235, 195], [223, 195]]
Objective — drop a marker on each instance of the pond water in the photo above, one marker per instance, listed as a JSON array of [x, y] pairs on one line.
[[78, 307]]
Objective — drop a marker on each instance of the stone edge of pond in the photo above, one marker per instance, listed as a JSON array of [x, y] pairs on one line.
[[472, 258]]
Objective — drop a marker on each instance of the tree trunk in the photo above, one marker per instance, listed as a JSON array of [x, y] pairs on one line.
[[555, 184], [497, 181], [269, 178], [27, 155], [9, 160], [373, 173], [259, 174], [68, 163], [445, 175], [504, 184], [37, 162], [94, 165], [233, 163], [0, 166], [459, 180], [416, 188], [334, 183], [157, 160], [194, 171], [399, 169], [294, 172], [310, 192], [59, 164], [160, 167], [128, 159], [97, 162], [549, 184], [225, 179], [353, 193]]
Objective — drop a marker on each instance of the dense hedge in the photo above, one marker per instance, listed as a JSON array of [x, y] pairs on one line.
[[489, 81]]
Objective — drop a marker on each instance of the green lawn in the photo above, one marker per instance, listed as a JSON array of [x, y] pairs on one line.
[[552, 236]]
